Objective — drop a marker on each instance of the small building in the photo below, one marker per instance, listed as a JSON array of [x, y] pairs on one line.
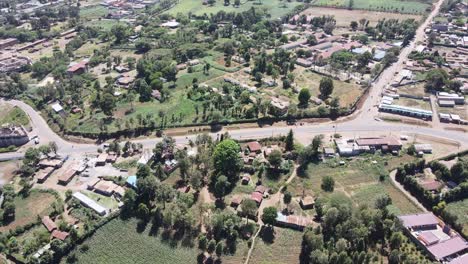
[[446, 103], [78, 67], [92, 183], [293, 221], [193, 62], [57, 108], [236, 201], [432, 185], [88, 202], [42, 175], [303, 62], [245, 180], [119, 191], [101, 159], [329, 152], [132, 181], [171, 24], [66, 176], [105, 187], [49, 223], [60, 235], [156, 95], [53, 163], [5, 43], [419, 221], [257, 197], [254, 147], [307, 202], [261, 189], [425, 148]]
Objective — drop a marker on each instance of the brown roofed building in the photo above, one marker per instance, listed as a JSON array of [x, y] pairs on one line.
[[54, 163], [105, 187], [49, 223], [257, 197], [60, 234], [66, 176], [391, 142], [101, 159], [432, 185], [42, 175], [254, 146]]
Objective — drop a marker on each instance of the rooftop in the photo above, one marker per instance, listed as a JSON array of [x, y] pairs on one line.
[[415, 220]]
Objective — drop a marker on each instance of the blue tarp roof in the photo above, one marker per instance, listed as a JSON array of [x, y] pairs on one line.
[[132, 180]]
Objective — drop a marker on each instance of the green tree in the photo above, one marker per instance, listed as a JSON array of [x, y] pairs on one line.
[[269, 215], [304, 96], [436, 79], [249, 207], [289, 141], [287, 198], [227, 160], [275, 158], [120, 32], [326, 87], [221, 186], [328, 184]]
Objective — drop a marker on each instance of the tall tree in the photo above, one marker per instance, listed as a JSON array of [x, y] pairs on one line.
[[326, 87]]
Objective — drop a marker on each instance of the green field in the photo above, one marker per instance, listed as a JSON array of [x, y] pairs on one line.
[[401, 6], [460, 209], [14, 116], [275, 8], [358, 179], [93, 12], [119, 242]]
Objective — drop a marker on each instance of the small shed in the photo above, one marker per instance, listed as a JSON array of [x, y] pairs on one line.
[[307, 202]]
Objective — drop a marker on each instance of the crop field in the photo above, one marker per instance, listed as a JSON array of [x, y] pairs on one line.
[[401, 6], [119, 242], [28, 208], [275, 8], [344, 16], [284, 247], [460, 209], [358, 179]]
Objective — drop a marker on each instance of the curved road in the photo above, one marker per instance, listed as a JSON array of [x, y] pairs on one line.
[[363, 120]]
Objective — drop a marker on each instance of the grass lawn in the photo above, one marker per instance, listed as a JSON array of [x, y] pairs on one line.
[[106, 201], [347, 92], [460, 209], [344, 16], [13, 115], [103, 24], [401, 6], [93, 12], [275, 8], [284, 247], [358, 179], [87, 49], [119, 241], [28, 208]]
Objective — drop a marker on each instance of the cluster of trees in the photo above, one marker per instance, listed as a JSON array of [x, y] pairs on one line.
[[7, 210], [355, 235], [439, 80], [227, 163], [388, 29], [325, 22]]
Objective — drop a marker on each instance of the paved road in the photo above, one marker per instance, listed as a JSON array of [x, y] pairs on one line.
[[362, 121]]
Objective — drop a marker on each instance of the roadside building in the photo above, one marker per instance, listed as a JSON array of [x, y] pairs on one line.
[[88, 202], [404, 110], [390, 143], [13, 136], [52, 163], [445, 97], [329, 152], [146, 156]]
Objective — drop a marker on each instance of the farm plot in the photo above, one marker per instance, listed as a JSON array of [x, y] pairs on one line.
[[344, 16], [276, 8], [400, 6], [359, 179], [284, 247], [119, 242], [93, 12], [13, 115]]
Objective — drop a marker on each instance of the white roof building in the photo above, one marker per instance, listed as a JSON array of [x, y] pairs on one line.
[[101, 210], [57, 107]]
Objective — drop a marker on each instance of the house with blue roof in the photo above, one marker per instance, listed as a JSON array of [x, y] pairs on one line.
[[132, 181]]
